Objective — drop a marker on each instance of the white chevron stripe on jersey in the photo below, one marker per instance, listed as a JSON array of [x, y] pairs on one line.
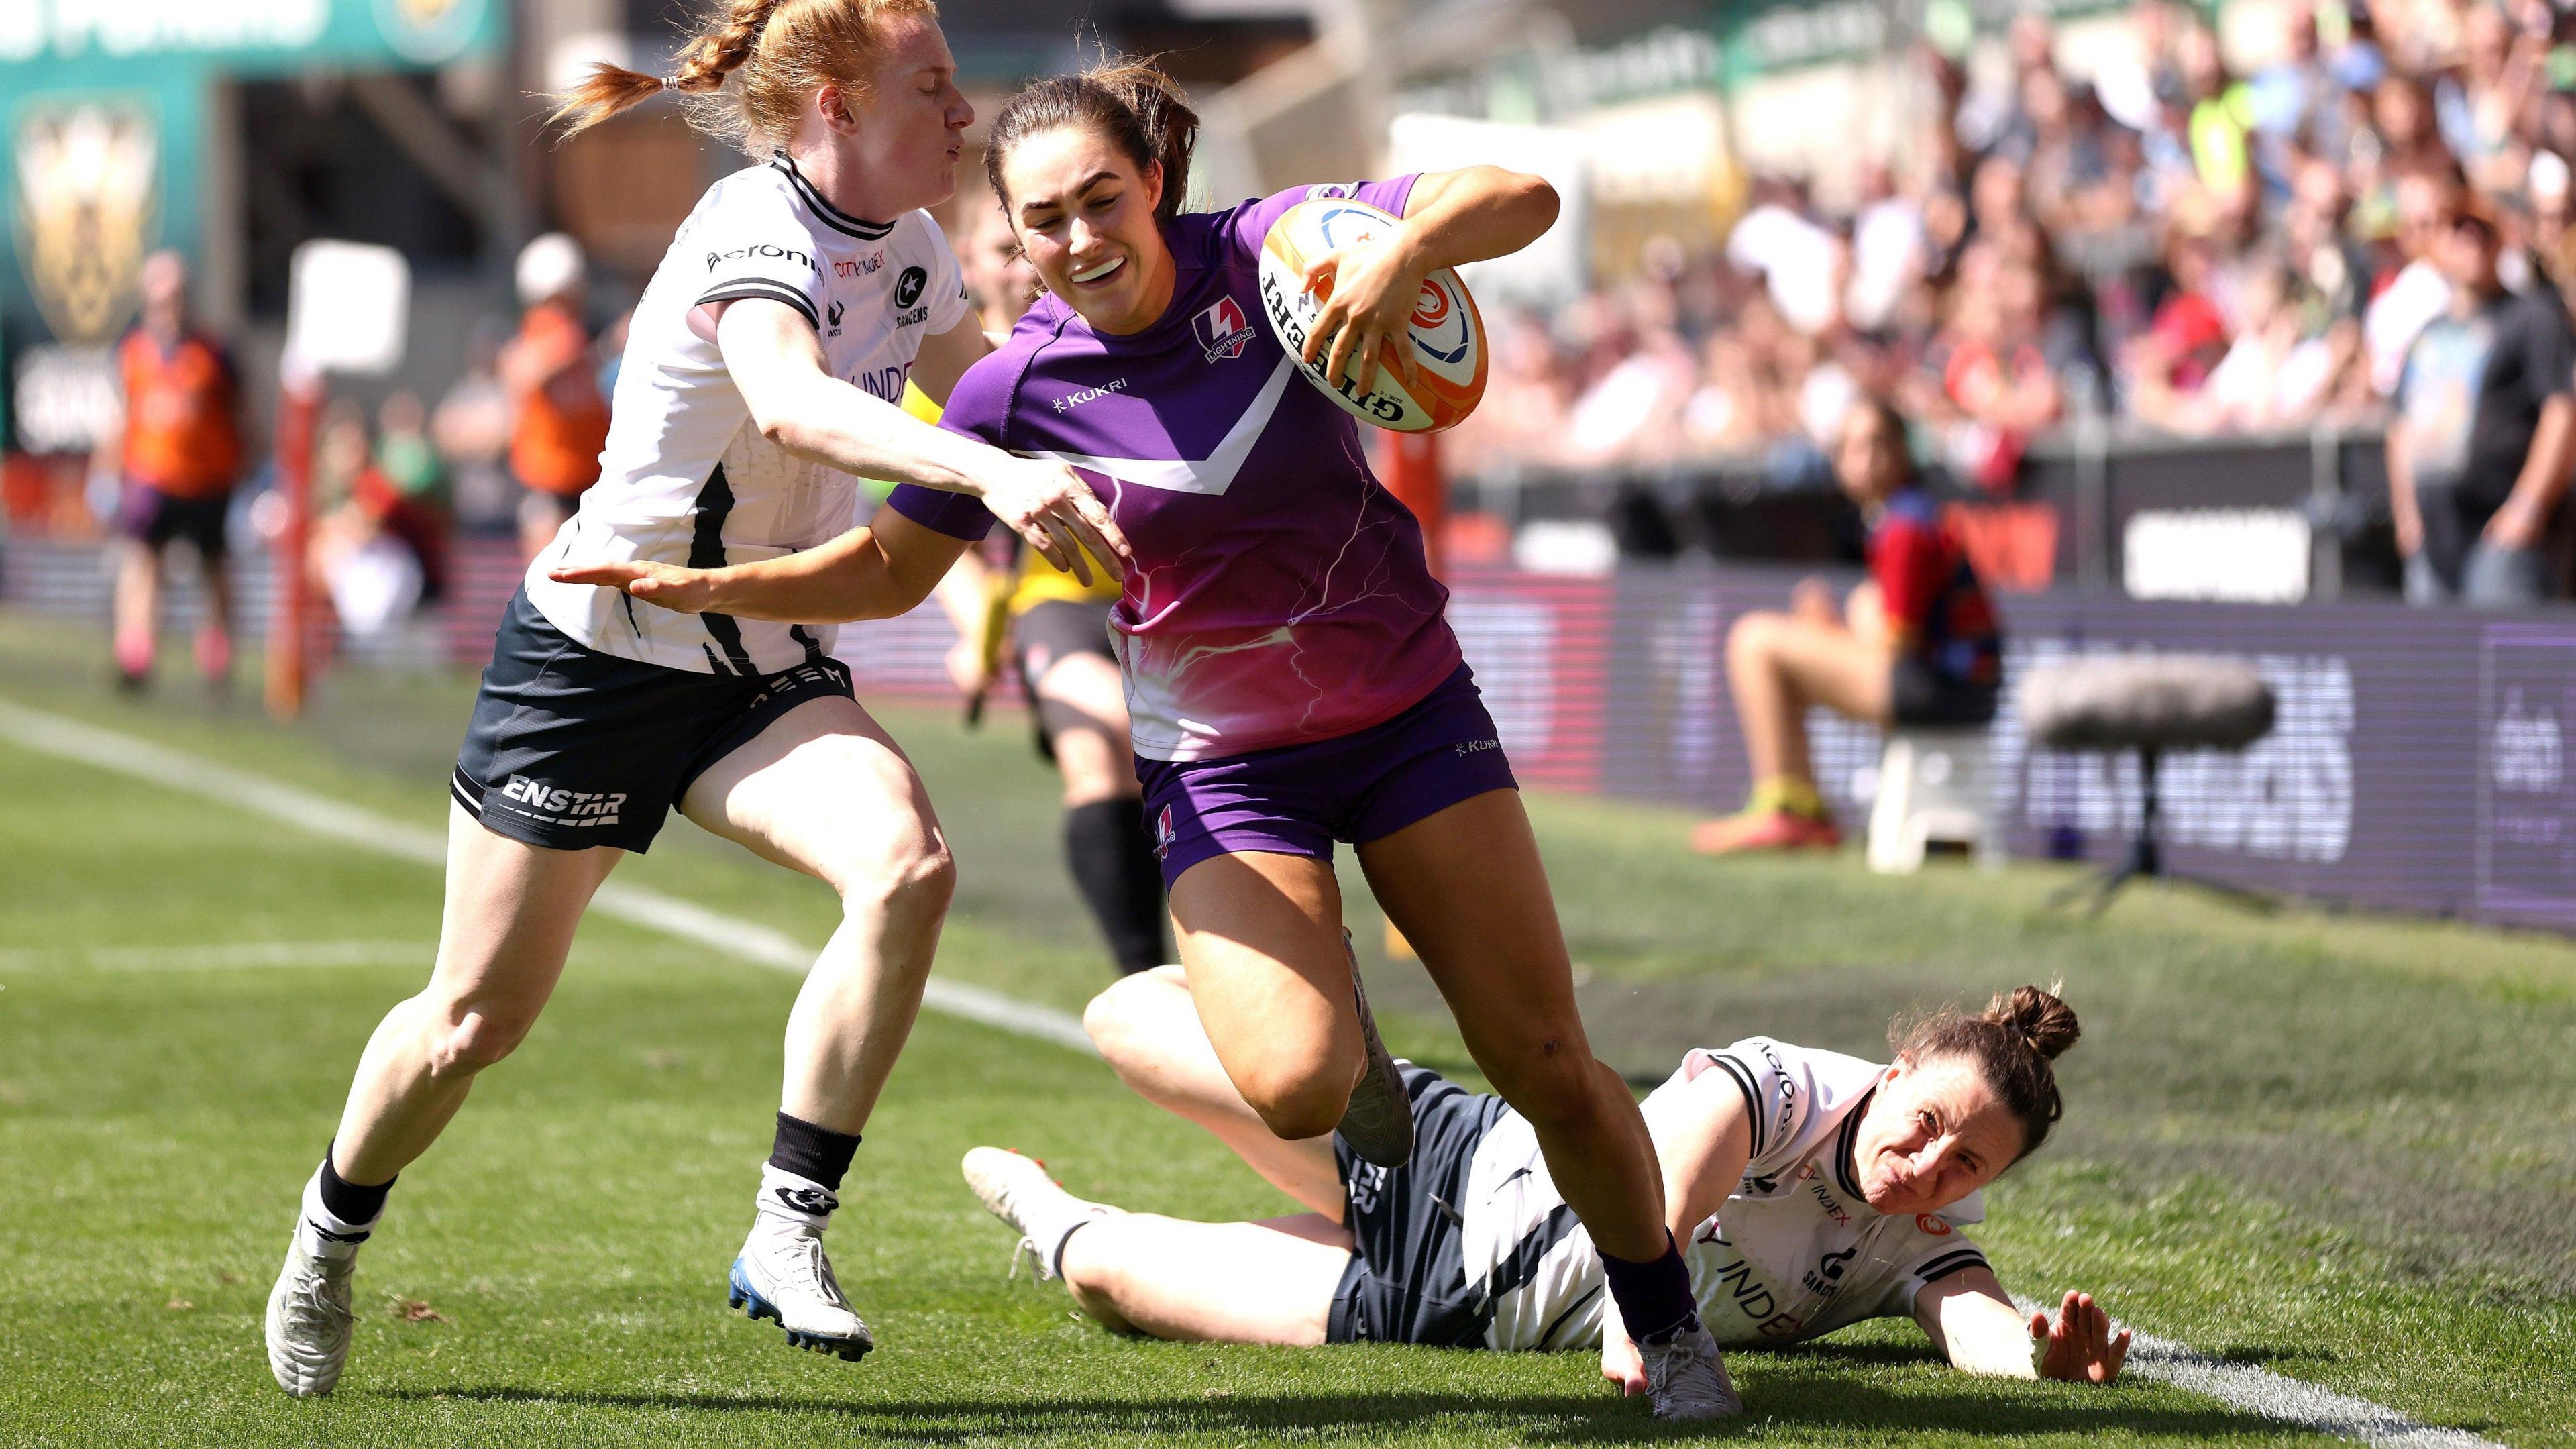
[[1208, 477]]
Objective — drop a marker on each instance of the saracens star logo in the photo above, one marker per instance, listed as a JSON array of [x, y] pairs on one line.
[[1223, 332]]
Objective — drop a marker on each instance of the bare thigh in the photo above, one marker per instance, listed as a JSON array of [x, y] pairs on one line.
[[1832, 666], [1468, 889], [1269, 1282], [1260, 936], [1094, 757], [824, 790], [1148, 1030]]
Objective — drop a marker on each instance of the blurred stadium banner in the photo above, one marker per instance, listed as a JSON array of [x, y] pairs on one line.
[[115, 144], [2419, 761]]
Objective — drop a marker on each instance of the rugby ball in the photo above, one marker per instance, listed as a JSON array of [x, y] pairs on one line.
[[1427, 379]]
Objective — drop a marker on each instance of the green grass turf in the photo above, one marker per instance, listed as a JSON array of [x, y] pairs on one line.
[[2336, 1147]]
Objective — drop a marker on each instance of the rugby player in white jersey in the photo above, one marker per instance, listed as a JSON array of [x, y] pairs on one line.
[[1813, 1190], [761, 373]]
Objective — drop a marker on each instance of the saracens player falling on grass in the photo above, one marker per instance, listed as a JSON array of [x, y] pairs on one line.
[[1812, 1190], [759, 377], [1291, 676]]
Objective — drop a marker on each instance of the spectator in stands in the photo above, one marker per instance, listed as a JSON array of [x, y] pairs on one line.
[[2136, 84], [2167, 367], [1889, 250], [1916, 644], [559, 419], [179, 453], [2479, 107], [377, 553], [2553, 238], [2484, 436], [1799, 260], [472, 432], [1522, 418], [409, 461], [2419, 291], [1996, 385], [1632, 414], [2219, 132]]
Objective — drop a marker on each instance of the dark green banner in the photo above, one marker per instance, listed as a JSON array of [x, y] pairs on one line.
[[102, 126]]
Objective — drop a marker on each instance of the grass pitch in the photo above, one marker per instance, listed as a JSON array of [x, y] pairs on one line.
[[2339, 1148]]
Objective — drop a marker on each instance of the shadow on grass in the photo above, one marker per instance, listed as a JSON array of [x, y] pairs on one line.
[[1368, 1417]]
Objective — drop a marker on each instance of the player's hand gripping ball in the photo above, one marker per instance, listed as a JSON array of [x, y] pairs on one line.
[[1423, 379]]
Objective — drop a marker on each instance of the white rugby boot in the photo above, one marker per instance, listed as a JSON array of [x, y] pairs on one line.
[[1018, 1191], [1378, 1120], [782, 1274], [1687, 1381], [308, 1311]]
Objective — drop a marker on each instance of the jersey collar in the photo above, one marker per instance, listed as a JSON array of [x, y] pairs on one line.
[[833, 216], [1846, 1175]]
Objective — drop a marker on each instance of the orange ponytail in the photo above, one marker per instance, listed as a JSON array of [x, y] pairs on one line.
[[785, 50]]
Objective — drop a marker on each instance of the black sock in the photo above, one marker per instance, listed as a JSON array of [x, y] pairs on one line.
[[817, 1154], [1112, 859], [349, 1202], [1654, 1298]]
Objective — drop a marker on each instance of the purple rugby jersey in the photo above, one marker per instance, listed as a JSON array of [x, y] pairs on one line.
[[1280, 594]]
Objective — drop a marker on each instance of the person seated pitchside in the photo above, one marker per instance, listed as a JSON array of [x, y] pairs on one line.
[[1918, 644], [1812, 1190]]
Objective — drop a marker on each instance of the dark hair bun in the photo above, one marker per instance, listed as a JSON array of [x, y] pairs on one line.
[[2037, 1017], [2012, 1043]]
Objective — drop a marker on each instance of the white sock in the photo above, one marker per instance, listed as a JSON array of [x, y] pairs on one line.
[[800, 1200], [331, 1236]]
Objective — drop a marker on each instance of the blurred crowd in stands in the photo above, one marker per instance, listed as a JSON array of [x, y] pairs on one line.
[[2376, 226], [2162, 244]]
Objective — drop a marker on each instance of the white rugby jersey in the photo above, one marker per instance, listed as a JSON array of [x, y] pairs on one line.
[[1795, 1253], [686, 477]]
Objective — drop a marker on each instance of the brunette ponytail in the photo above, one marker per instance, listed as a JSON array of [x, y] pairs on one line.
[[1129, 101]]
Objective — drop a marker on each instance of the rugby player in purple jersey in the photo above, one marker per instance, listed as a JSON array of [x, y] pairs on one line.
[[1290, 674]]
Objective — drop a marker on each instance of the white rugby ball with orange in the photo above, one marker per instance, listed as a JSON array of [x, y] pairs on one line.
[[1429, 377]]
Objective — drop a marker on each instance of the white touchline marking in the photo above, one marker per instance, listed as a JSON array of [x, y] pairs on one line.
[[2255, 1390], [637, 905], [2295, 1401], [2278, 1396]]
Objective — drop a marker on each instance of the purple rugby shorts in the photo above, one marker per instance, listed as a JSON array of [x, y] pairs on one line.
[[1299, 799]]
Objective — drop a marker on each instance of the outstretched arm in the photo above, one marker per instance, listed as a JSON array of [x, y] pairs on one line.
[[874, 572], [776, 361], [1974, 1323], [1450, 218]]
